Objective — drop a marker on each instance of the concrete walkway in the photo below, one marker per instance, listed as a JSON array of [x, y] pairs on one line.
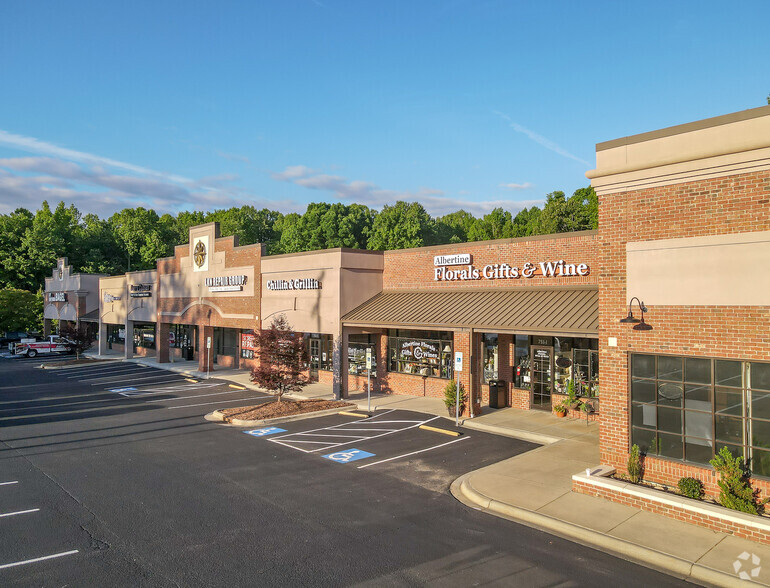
[[535, 489]]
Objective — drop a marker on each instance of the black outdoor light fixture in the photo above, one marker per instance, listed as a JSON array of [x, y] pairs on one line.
[[639, 325]]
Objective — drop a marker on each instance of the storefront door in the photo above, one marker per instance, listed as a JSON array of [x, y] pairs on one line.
[[542, 380], [315, 358]]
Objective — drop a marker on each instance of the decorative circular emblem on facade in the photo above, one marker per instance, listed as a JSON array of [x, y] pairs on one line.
[[199, 254]]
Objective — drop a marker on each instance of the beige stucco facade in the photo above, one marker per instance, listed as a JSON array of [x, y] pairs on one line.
[[70, 296], [727, 145]]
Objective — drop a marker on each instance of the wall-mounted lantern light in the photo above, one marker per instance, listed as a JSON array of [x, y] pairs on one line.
[[639, 324]]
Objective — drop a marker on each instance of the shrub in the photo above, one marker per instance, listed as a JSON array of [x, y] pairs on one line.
[[735, 489], [450, 395], [634, 466], [691, 488]]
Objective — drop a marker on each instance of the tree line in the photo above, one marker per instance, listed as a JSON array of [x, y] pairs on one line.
[[134, 238]]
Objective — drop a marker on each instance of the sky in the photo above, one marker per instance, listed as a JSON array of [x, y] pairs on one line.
[[455, 104]]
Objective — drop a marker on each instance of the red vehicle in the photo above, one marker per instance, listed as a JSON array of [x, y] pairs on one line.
[[53, 344]]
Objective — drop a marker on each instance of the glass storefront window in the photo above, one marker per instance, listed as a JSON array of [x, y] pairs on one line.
[[320, 348], [116, 334], [688, 408], [562, 347], [417, 353], [182, 336], [521, 377], [357, 346], [490, 356], [144, 335]]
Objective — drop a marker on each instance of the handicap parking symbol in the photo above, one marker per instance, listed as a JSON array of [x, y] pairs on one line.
[[119, 390], [348, 455], [264, 432]]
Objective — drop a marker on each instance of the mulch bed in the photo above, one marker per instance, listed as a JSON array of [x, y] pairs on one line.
[[280, 409]]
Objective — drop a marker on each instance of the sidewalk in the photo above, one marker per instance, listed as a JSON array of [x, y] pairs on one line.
[[535, 489]]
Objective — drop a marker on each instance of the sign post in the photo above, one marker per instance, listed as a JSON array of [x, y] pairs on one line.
[[208, 353], [369, 380], [458, 369]]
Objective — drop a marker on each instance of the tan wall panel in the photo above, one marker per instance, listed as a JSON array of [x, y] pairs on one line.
[[718, 270]]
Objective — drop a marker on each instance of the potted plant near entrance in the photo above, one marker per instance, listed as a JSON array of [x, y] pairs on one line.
[[450, 397], [560, 410]]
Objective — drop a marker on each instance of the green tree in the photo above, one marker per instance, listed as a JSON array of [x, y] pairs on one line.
[[400, 226], [249, 224], [51, 236], [13, 228], [454, 227], [498, 224], [137, 236], [20, 310]]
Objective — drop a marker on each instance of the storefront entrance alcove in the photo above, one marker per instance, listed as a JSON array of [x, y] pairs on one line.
[[542, 377], [226, 346]]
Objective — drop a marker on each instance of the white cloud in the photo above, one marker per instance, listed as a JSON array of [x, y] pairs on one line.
[[524, 186], [361, 192], [539, 139]]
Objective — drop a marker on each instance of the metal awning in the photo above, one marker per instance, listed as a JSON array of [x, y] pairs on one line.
[[522, 310], [91, 317]]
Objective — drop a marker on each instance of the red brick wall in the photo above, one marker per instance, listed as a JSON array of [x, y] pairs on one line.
[[733, 204], [702, 520], [414, 269]]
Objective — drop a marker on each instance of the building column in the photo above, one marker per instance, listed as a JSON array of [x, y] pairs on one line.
[[383, 361], [205, 353], [462, 343], [161, 342], [129, 352], [102, 338], [340, 365], [46, 327]]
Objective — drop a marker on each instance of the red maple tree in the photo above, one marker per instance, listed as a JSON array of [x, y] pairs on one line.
[[282, 359]]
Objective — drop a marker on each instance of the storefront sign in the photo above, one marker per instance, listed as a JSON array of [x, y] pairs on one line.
[[248, 345], [498, 271], [57, 297], [110, 298], [141, 290], [457, 259], [419, 350], [298, 284], [226, 283]]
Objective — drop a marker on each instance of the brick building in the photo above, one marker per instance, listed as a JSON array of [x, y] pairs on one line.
[[684, 226]]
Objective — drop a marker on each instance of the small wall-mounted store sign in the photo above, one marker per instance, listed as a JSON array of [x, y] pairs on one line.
[[498, 271], [110, 297], [141, 290], [57, 297], [457, 259], [226, 283], [299, 284]]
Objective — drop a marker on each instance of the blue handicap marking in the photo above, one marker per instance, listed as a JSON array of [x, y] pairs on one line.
[[263, 432], [348, 455], [121, 389]]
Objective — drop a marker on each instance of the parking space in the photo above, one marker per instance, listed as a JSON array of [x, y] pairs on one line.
[[417, 448]]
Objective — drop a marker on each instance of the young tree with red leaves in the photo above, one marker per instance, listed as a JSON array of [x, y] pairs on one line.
[[282, 358]]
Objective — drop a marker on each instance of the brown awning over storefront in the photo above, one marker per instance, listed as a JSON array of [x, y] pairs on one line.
[[522, 310]]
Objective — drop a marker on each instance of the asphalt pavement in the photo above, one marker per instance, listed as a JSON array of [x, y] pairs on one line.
[[110, 476]]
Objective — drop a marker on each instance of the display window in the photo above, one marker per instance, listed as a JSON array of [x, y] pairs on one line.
[[521, 361], [320, 348], [688, 408], [248, 344], [116, 334], [144, 335], [357, 346], [489, 343], [424, 353]]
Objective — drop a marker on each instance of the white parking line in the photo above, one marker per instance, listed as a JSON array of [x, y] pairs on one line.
[[126, 383], [29, 561], [217, 402], [127, 377], [139, 392], [195, 396], [283, 440], [412, 453], [18, 512], [7, 483], [101, 370]]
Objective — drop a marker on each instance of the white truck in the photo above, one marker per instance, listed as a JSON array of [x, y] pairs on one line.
[[51, 344]]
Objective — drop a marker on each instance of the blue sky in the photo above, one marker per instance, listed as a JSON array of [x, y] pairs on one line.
[[455, 104]]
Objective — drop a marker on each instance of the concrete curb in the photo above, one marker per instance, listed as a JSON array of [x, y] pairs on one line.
[[217, 416], [521, 434], [46, 366], [463, 490]]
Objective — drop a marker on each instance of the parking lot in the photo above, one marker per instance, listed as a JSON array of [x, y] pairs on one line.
[[114, 478]]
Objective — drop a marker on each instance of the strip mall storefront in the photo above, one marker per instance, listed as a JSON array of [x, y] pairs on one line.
[[128, 311], [524, 313], [313, 290], [209, 300], [71, 297], [684, 217]]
